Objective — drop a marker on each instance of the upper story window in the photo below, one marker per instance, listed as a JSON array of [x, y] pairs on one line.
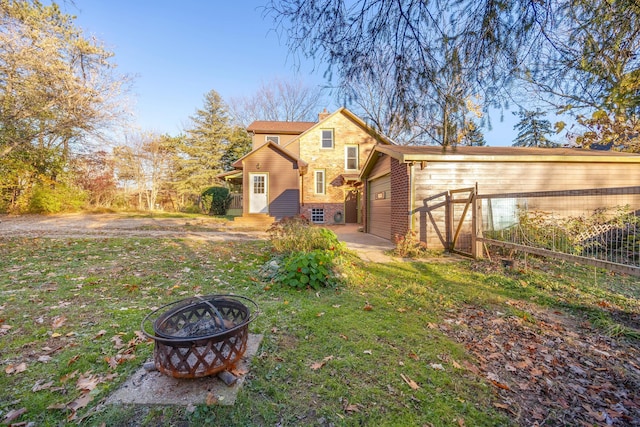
[[351, 157], [319, 181], [272, 138], [327, 138]]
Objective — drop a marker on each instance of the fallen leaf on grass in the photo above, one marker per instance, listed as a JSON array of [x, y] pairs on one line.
[[501, 405], [367, 352], [88, 382], [367, 307], [100, 334], [500, 385], [317, 365], [111, 361], [117, 342], [13, 414], [79, 403], [68, 376], [73, 360], [471, 367], [44, 358], [414, 356], [39, 386], [437, 366], [344, 337], [495, 380], [414, 385], [456, 364], [16, 369], [58, 321], [352, 408]]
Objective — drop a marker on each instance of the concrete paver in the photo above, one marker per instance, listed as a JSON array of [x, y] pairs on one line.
[[154, 388]]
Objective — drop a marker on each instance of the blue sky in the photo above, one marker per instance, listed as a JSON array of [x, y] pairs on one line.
[[180, 50]]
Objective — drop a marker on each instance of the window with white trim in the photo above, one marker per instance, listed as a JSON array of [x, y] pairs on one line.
[[327, 138], [318, 184], [259, 184], [272, 138], [317, 215], [351, 157]]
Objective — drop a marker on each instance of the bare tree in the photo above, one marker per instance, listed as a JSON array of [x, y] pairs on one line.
[[574, 53], [278, 100], [437, 112]]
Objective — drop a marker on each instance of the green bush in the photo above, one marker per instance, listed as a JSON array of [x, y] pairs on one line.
[[49, 200], [304, 255], [307, 269], [215, 200], [297, 234]]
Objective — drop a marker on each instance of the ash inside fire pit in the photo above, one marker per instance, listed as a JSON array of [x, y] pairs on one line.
[[200, 336]]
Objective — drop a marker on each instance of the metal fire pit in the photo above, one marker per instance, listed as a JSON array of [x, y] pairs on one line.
[[200, 336]]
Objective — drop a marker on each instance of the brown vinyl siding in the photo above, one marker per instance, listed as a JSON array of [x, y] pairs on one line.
[[260, 139], [283, 176]]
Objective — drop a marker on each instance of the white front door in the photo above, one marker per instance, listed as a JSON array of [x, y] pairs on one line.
[[258, 193]]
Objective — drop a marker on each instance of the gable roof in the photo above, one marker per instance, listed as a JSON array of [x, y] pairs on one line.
[[301, 163], [286, 128], [342, 110], [414, 153]]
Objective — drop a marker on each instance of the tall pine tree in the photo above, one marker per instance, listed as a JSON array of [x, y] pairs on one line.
[[533, 130], [211, 144]]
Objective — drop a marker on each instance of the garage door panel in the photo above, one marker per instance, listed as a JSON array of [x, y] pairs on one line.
[[380, 207]]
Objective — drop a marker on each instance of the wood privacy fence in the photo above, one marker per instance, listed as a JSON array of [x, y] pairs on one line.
[[599, 227]]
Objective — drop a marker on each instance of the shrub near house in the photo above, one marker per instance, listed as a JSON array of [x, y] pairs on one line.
[[304, 255]]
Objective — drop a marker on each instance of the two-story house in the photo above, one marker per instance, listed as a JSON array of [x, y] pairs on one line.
[[306, 168]]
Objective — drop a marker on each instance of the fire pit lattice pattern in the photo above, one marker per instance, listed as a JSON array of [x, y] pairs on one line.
[[200, 336]]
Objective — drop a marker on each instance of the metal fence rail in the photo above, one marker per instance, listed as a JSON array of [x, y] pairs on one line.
[[599, 227]]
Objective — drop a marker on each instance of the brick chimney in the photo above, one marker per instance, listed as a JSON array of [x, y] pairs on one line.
[[323, 115]]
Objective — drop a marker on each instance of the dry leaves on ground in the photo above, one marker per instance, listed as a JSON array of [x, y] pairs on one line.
[[317, 365], [549, 370]]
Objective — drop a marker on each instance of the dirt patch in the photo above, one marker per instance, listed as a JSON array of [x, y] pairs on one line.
[[548, 369], [119, 225]]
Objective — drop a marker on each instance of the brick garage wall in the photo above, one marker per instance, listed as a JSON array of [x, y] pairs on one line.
[[400, 197], [330, 209]]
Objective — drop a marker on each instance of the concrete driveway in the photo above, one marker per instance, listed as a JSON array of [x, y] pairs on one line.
[[369, 247]]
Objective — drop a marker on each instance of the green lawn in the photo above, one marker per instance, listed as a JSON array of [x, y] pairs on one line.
[[378, 350]]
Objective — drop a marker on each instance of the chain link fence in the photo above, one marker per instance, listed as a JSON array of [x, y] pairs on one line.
[[594, 226]]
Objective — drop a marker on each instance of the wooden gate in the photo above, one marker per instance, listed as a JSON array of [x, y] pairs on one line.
[[450, 214]]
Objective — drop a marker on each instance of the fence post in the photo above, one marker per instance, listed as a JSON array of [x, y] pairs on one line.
[[449, 221], [476, 225]]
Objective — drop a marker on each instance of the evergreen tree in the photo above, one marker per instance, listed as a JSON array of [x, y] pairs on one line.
[[473, 136], [206, 142], [210, 146], [533, 130]]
